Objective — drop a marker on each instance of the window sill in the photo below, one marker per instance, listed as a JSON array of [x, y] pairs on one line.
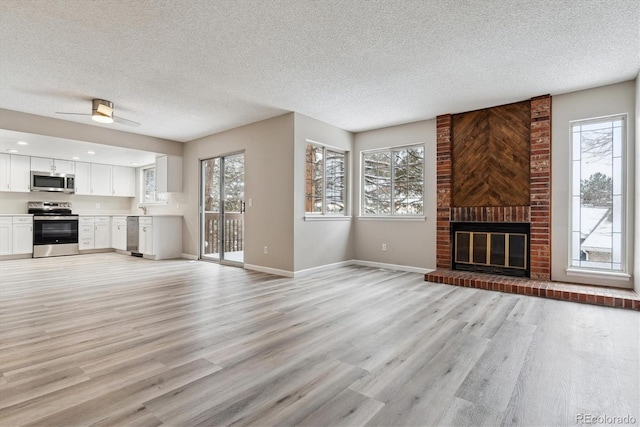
[[153, 204], [327, 218], [393, 218], [612, 275]]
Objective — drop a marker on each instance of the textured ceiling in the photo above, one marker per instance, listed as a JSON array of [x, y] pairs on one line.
[[190, 68]]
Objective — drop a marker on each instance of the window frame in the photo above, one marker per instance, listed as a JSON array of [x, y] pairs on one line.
[[324, 215], [588, 271], [156, 201], [392, 215]]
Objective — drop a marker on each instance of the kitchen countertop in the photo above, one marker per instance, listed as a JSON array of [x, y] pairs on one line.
[[16, 214], [121, 214]]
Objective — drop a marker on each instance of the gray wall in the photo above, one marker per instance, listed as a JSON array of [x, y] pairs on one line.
[[318, 243], [636, 273], [602, 101], [268, 148], [409, 243]]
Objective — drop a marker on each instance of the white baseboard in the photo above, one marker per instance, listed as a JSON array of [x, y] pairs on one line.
[[306, 272], [275, 271], [189, 256], [393, 267]]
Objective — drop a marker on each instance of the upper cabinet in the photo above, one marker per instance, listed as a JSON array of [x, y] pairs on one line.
[[42, 164], [15, 173], [168, 174], [101, 180], [123, 181], [104, 180], [90, 178], [83, 178]]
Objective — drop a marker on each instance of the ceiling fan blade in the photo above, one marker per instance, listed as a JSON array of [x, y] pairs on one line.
[[125, 121], [73, 114]]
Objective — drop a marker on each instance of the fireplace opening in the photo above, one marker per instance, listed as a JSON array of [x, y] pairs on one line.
[[496, 248]]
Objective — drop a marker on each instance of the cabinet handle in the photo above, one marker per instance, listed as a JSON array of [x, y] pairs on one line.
[[118, 227]]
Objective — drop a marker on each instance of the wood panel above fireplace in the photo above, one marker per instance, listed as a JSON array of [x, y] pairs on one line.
[[490, 150]]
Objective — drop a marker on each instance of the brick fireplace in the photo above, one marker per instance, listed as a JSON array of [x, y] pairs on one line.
[[468, 194], [525, 174]]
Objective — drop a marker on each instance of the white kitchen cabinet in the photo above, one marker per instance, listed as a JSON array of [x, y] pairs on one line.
[[145, 236], [101, 180], [102, 232], [168, 174], [6, 235], [160, 237], [22, 235], [15, 173], [94, 232], [86, 233], [5, 172], [119, 233], [20, 174], [42, 164], [16, 235], [123, 181], [83, 178]]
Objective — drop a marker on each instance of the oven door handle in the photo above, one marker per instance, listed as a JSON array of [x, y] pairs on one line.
[[56, 218]]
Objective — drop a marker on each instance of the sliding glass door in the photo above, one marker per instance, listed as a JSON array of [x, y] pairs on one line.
[[222, 209]]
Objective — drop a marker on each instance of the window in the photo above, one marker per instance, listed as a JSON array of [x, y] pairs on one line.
[[149, 194], [393, 181], [325, 181], [598, 202]]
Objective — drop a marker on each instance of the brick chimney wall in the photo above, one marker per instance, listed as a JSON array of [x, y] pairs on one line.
[[538, 213]]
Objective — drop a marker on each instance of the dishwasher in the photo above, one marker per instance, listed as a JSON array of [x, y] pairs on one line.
[[132, 235]]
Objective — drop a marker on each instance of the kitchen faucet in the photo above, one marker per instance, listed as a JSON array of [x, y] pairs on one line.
[[144, 209]]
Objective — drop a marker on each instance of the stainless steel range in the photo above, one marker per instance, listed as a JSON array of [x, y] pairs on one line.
[[55, 229]]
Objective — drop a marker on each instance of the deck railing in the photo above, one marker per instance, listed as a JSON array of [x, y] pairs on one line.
[[233, 235]]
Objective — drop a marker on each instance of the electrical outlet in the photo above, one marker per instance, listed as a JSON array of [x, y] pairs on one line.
[[266, 250], [384, 247], [97, 205], [250, 202]]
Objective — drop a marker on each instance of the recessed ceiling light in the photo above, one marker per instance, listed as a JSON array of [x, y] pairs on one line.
[[134, 164], [76, 158], [23, 143], [12, 150], [91, 152]]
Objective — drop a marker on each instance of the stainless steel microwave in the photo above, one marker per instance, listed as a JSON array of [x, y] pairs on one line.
[[57, 182]]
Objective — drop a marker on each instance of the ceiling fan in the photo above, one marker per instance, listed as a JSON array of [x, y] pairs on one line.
[[102, 112]]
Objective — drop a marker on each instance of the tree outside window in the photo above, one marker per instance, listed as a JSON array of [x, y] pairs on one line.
[[597, 209], [325, 181], [393, 181]]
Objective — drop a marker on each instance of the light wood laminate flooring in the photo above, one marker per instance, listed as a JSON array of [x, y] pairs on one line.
[[106, 339]]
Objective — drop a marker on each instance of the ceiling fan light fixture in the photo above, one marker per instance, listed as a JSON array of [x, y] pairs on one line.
[[100, 118], [102, 111]]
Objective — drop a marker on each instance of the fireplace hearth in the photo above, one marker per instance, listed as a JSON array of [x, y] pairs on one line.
[[495, 248]]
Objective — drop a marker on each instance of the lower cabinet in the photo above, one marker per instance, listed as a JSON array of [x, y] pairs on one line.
[[119, 233], [94, 232], [16, 235], [22, 235], [6, 235], [160, 237], [85, 233], [102, 230]]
